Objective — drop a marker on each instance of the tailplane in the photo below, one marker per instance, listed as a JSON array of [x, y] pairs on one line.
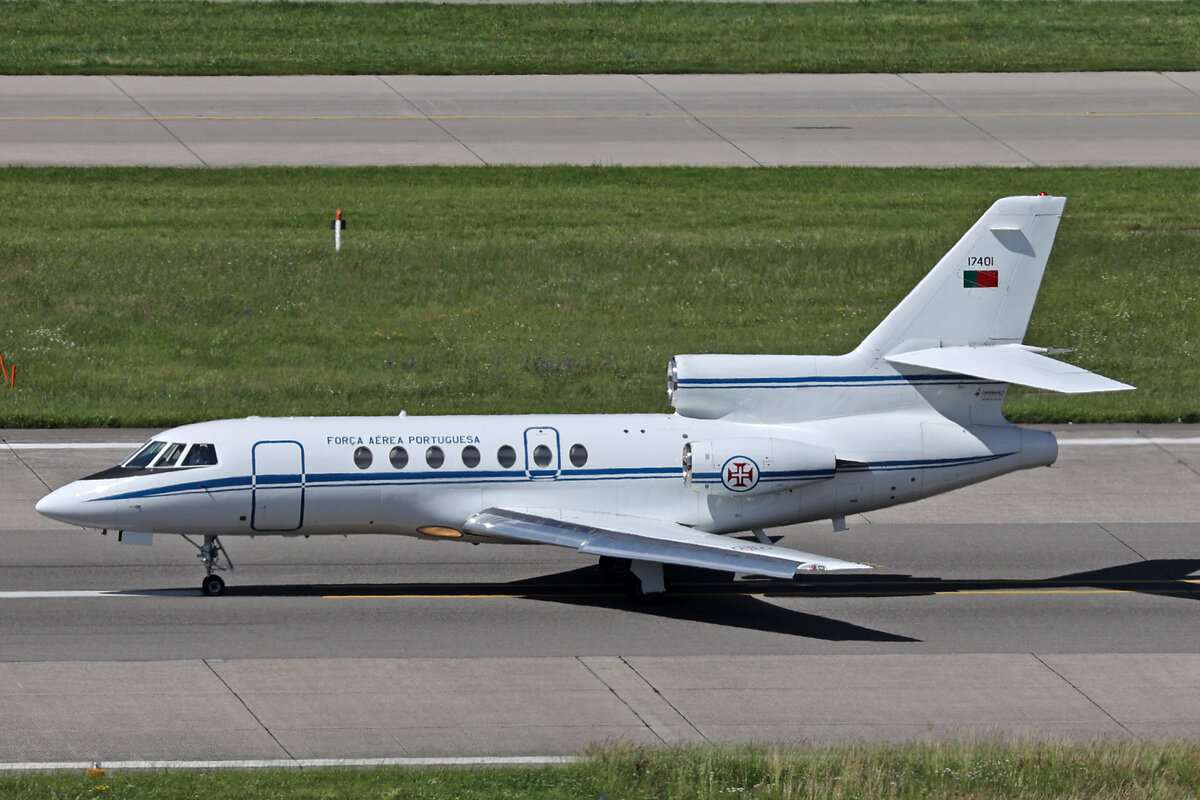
[[969, 314], [952, 343]]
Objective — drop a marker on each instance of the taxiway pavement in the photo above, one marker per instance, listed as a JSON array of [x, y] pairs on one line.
[[1050, 119], [1056, 602]]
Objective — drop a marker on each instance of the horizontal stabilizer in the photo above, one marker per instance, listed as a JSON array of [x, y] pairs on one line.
[[641, 539], [1010, 363]]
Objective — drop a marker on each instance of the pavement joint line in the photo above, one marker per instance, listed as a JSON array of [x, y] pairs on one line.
[[32, 471], [295, 763], [1128, 546], [207, 663], [970, 122], [663, 697], [434, 121], [697, 120], [1085, 696], [161, 123], [624, 701]]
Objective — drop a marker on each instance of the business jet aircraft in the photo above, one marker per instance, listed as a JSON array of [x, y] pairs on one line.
[[755, 441]]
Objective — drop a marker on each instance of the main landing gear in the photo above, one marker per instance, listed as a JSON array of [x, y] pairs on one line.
[[643, 579], [215, 559]]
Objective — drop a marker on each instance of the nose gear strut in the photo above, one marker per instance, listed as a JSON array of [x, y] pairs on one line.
[[215, 559]]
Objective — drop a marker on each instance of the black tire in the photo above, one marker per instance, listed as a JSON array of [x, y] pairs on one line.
[[212, 585], [633, 587], [614, 570]]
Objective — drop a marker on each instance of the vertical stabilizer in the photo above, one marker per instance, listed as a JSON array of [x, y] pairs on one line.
[[982, 291]]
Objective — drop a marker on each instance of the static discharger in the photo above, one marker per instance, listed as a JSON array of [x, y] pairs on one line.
[[339, 225], [10, 374]]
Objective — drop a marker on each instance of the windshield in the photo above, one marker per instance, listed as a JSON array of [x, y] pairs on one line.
[[158, 454], [143, 457]]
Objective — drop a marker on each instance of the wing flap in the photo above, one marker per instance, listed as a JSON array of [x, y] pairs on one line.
[[1010, 363], [643, 539]]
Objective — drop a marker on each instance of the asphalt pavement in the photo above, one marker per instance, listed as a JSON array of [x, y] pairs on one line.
[[1056, 602]]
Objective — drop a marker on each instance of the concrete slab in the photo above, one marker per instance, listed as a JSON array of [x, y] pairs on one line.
[[889, 120], [1151, 696]]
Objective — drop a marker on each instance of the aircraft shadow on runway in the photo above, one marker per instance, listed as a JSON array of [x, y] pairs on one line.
[[711, 597]]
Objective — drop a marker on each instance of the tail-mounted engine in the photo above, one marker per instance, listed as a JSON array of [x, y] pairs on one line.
[[754, 466], [762, 386]]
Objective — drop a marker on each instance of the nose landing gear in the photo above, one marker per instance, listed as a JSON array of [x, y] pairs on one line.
[[215, 559]]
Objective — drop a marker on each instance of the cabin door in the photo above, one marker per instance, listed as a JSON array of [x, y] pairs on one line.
[[278, 486], [541, 454]]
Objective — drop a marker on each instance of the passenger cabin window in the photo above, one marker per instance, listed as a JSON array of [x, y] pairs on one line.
[[506, 456], [542, 455], [170, 455], [578, 455], [363, 457], [201, 455], [434, 457], [470, 456], [398, 457]]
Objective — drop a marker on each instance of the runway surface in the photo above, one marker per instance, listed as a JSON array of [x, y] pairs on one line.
[[1058, 602], [1054, 119]]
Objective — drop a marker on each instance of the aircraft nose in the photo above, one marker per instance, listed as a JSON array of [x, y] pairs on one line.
[[62, 505]]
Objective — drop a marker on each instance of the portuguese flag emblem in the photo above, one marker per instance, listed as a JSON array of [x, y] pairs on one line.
[[981, 278]]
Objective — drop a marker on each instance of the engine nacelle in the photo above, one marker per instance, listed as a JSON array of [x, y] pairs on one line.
[[754, 466], [762, 386]]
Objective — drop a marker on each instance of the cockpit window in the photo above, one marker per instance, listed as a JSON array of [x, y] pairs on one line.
[[201, 455], [143, 457], [170, 455]]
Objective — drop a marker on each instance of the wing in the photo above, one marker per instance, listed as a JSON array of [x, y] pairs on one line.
[[1010, 363], [644, 539]]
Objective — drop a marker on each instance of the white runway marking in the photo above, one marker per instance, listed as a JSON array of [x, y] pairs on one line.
[[71, 593], [72, 445], [1131, 441], [293, 763]]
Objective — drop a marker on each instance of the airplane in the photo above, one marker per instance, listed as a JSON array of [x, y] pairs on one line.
[[755, 441]]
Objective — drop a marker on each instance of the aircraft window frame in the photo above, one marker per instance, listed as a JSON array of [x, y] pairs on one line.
[[435, 454], [471, 456], [363, 457], [578, 454], [170, 455], [398, 457], [542, 456], [200, 454], [507, 456], [145, 454]]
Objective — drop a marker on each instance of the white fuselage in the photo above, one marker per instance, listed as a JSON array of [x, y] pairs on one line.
[[343, 475]]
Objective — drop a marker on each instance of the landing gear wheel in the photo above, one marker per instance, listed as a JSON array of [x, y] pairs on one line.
[[614, 570], [633, 587], [215, 558]]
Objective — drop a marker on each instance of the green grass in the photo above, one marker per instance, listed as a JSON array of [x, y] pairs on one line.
[[977, 770], [156, 296], [169, 37]]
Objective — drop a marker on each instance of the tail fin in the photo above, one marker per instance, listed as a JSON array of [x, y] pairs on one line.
[[983, 289], [970, 313]]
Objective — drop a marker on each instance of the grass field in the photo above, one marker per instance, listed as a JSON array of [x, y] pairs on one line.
[[976, 770], [152, 297], [167, 37]]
